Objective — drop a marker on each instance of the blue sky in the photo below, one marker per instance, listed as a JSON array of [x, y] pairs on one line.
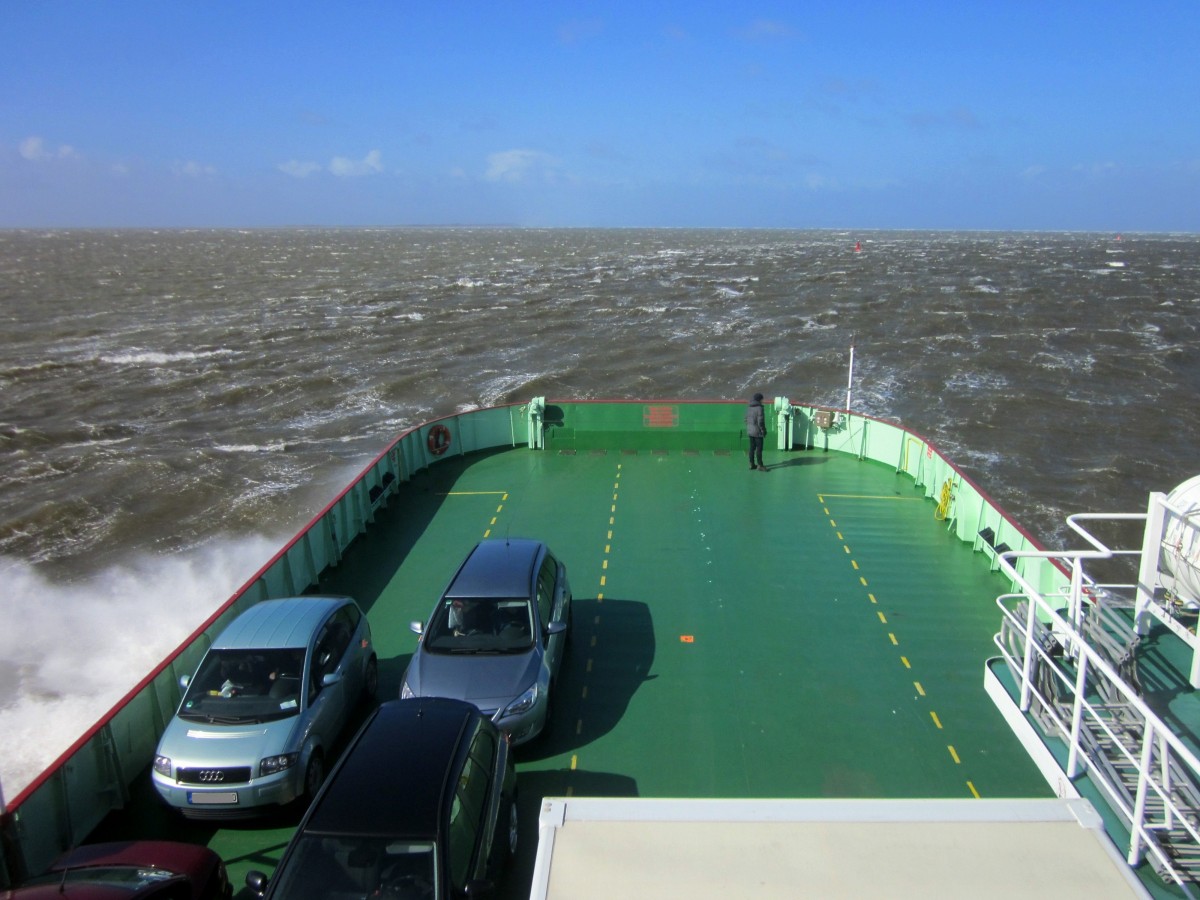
[[1013, 115]]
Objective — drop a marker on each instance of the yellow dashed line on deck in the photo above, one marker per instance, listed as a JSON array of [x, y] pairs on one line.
[[883, 618], [612, 519]]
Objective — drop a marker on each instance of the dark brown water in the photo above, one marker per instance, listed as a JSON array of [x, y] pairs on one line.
[[175, 404]]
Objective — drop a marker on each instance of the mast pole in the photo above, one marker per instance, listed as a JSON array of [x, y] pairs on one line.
[[850, 377]]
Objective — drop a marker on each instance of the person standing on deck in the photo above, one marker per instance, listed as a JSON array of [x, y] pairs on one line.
[[756, 430]]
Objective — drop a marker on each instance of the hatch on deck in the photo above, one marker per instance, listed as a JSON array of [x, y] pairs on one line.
[[611, 847]]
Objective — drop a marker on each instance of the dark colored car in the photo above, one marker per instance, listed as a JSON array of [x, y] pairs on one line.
[[497, 636], [421, 805], [153, 870]]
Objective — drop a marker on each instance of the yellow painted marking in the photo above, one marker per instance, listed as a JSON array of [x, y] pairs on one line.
[[953, 755], [604, 565], [608, 548], [614, 508], [610, 534], [493, 522], [611, 519], [974, 792], [616, 484], [589, 665], [599, 598], [832, 521], [602, 581], [500, 507], [872, 596], [614, 498], [854, 562], [920, 690], [904, 659], [845, 549], [574, 761], [584, 695], [505, 497], [936, 720], [882, 617], [594, 644], [487, 532], [839, 536], [863, 580], [895, 642]]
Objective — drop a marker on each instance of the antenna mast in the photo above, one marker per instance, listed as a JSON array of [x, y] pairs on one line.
[[850, 378]]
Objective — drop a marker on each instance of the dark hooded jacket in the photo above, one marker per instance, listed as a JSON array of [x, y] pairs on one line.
[[756, 423]]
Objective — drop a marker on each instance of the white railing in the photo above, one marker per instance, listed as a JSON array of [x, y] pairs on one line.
[[1079, 694]]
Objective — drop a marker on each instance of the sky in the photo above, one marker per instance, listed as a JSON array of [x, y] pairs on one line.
[[1061, 116]]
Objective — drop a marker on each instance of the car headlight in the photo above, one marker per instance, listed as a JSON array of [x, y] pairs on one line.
[[272, 764], [524, 703], [406, 693], [162, 765]]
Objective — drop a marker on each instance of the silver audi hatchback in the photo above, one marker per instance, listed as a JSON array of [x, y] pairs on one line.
[[497, 636], [269, 698]]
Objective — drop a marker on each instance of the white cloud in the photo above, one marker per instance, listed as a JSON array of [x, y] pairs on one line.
[[34, 149], [344, 167], [298, 169], [193, 169], [768, 30], [516, 166]]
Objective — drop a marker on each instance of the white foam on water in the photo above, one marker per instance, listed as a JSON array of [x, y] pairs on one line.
[[71, 651]]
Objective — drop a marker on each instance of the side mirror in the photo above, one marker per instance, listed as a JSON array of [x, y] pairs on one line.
[[184, 681], [556, 627], [331, 678], [416, 627], [257, 882]]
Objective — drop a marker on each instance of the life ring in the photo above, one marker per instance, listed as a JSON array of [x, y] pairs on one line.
[[438, 440]]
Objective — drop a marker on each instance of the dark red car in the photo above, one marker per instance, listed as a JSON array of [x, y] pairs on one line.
[[133, 870]]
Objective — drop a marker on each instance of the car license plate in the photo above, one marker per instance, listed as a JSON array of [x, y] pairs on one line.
[[201, 797]]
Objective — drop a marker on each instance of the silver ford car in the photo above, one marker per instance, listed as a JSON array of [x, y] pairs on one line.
[[270, 696], [497, 636]]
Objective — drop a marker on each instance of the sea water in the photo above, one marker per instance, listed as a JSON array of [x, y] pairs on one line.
[[178, 403]]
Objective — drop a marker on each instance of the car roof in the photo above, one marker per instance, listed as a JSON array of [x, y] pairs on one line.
[[289, 622], [392, 778], [498, 568]]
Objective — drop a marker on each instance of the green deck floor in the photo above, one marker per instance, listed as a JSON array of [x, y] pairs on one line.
[[810, 631]]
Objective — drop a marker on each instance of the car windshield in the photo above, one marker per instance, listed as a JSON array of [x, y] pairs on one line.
[[348, 866], [245, 685], [481, 626]]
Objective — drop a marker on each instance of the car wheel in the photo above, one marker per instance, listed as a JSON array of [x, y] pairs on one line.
[[371, 684], [314, 775], [513, 830]]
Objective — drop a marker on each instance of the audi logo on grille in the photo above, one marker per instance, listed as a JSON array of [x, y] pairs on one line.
[[210, 775]]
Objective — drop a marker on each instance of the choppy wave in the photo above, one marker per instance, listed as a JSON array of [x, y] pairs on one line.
[[166, 393]]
